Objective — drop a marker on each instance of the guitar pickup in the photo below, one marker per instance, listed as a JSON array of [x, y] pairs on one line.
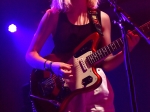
[[83, 65], [87, 81]]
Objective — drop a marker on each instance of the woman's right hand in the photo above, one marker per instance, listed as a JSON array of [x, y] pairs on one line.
[[61, 69]]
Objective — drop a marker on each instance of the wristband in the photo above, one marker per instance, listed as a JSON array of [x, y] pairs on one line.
[[45, 65], [50, 67]]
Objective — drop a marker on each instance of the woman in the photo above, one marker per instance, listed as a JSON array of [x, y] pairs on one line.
[[69, 23]]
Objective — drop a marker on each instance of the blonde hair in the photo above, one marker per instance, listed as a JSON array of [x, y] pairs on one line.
[[64, 5]]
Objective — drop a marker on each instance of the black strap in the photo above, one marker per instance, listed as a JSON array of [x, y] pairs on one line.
[[94, 13]]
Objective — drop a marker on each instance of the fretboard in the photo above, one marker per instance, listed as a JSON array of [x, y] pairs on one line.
[[115, 45], [105, 51], [145, 28]]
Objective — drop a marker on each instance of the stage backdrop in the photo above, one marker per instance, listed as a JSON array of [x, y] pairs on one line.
[[15, 72]]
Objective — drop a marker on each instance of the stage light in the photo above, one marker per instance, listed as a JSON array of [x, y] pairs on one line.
[[12, 28]]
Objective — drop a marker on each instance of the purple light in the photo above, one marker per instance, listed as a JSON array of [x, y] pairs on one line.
[[12, 28]]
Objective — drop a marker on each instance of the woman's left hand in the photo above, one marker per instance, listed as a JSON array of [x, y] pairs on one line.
[[133, 39]]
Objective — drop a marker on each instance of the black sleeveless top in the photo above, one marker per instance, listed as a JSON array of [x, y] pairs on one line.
[[68, 36]]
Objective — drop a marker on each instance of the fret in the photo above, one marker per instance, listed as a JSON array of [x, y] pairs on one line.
[[142, 29], [146, 30], [118, 43], [121, 41], [104, 50], [147, 26], [108, 49], [91, 59], [97, 56], [94, 58], [113, 46], [100, 53]]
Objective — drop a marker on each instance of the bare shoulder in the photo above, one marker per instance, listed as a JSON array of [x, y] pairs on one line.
[[105, 17], [51, 15], [105, 20], [52, 12], [50, 20]]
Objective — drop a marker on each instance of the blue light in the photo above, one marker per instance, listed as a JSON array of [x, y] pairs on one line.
[[12, 28]]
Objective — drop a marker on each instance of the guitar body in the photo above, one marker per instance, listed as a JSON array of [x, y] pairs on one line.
[[50, 93]]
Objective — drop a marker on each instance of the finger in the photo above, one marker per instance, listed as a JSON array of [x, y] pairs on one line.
[[132, 37], [69, 65], [65, 66], [66, 73], [130, 34]]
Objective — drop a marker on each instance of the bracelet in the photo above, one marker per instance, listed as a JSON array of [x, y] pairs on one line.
[[45, 64], [50, 67]]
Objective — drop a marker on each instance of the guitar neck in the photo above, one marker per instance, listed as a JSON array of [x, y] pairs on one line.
[[105, 51], [145, 28], [115, 45]]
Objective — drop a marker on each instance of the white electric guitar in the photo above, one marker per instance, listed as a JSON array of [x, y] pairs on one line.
[[51, 93]]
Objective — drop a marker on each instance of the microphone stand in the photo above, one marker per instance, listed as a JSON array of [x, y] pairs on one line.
[[123, 17]]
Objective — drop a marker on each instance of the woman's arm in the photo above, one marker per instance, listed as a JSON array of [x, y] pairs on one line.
[[45, 28], [113, 61]]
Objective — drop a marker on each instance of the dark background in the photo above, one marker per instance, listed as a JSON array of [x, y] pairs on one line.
[[15, 72]]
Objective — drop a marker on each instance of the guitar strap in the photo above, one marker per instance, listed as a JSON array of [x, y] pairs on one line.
[[95, 16]]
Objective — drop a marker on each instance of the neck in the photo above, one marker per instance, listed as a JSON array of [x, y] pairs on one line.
[[78, 7], [77, 14]]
